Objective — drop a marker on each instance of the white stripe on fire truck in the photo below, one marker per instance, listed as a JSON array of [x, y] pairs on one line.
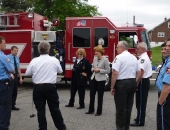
[[69, 66], [23, 65]]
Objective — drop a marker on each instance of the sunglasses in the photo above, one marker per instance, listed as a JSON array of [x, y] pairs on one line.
[[80, 54]]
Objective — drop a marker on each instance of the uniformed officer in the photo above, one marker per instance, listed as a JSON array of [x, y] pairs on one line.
[[43, 70], [16, 63], [143, 84], [125, 72], [163, 85], [6, 67], [80, 73]]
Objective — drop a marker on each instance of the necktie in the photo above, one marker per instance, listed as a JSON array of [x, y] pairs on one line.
[[15, 65]]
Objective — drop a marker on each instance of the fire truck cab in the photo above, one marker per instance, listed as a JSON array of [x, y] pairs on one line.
[[26, 30]]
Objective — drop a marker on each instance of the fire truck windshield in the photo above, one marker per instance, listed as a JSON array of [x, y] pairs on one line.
[[144, 38]]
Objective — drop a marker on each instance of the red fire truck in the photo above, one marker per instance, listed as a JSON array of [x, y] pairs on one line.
[[26, 30]]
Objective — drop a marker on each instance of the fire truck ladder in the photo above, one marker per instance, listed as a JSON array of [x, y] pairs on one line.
[[6, 20]]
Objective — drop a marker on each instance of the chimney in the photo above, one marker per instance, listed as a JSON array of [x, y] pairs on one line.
[[165, 19]]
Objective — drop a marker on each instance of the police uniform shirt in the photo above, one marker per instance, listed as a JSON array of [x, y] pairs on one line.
[[126, 65], [44, 69], [11, 57], [145, 64], [164, 75], [5, 65]]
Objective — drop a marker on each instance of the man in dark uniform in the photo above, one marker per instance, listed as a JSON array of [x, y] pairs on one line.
[[163, 85], [6, 67], [44, 77], [16, 62]]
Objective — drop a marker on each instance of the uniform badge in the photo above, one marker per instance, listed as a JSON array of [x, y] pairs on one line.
[[8, 60], [142, 61], [115, 60], [168, 70]]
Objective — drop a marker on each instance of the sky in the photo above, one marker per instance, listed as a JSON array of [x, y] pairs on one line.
[[148, 12]]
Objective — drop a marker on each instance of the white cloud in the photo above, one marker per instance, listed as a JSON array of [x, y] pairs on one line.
[[148, 12]]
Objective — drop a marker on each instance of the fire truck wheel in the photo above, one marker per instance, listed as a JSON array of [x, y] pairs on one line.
[[108, 82]]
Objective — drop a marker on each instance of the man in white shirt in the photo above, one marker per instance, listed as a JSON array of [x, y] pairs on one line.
[[43, 70], [123, 84], [143, 84]]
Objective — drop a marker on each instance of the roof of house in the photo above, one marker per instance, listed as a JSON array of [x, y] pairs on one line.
[[158, 25]]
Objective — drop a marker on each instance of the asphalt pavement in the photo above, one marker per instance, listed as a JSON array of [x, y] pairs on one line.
[[77, 119]]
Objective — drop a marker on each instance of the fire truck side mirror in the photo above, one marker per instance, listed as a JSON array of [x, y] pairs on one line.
[[45, 23]]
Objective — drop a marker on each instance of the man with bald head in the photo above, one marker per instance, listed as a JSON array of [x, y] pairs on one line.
[[43, 70], [125, 72], [143, 84]]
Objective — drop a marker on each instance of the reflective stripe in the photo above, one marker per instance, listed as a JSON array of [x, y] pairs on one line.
[[162, 114], [141, 102]]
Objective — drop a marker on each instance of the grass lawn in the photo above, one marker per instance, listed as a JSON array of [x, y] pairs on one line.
[[156, 56]]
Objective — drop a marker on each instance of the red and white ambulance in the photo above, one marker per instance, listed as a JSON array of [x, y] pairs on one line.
[[26, 30]]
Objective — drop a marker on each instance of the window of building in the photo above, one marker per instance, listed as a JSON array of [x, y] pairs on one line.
[[161, 34], [168, 24], [101, 34], [81, 37]]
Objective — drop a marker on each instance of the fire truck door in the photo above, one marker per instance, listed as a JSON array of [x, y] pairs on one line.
[[106, 39]]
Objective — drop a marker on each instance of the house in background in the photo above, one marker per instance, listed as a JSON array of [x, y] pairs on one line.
[[160, 33]]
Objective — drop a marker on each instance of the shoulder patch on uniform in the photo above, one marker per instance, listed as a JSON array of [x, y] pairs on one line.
[[115, 60], [142, 61], [8, 60], [168, 70]]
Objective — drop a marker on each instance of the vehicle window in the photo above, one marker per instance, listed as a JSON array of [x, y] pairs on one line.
[[101, 34], [144, 38], [130, 37], [81, 37]]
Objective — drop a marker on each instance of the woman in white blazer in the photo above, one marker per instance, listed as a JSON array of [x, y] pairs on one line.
[[100, 68]]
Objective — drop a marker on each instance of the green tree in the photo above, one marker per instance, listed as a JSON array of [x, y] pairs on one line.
[[15, 5], [64, 8]]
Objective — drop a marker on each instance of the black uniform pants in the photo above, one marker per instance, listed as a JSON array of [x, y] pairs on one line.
[[141, 100], [5, 106], [41, 94], [163, 115], [96, 86], [124, 97], [81, 93], [14, 83]]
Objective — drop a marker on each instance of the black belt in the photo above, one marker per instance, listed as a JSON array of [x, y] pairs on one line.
[[45, 84], [124, 79]]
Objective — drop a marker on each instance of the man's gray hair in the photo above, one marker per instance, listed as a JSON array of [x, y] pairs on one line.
[[44, 47], [143, 45], [123, 44]]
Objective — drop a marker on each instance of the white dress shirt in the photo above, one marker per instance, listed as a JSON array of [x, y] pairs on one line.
[[145, 64], [44, 69], [126, 65]]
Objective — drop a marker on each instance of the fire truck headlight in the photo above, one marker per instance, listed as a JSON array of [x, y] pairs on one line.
[[30, 15]]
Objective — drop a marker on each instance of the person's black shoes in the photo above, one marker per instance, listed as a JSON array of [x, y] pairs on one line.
[[69, 105], [136, 125], [89, 112], [80, 107], [97, 114], [15, 108]]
